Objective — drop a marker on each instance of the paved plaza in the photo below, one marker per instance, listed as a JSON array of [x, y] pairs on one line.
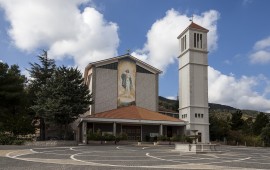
[[130, 157]]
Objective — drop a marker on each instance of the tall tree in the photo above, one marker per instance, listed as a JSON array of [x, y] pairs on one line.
[[236, 120], [261, 121], [265, 135], [40, 73], [14, 116], [247, 126], [64, 98], [219, 127]]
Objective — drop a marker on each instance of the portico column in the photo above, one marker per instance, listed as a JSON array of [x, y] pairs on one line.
[[114, 128], [84, 132], [160, 129]]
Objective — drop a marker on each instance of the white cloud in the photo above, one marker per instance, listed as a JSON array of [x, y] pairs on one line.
[[171, 97], [162, 49], [240, 93], [261, 52], [26, 73], [1, 61], [61, 27], [228, 62], [246, 2]]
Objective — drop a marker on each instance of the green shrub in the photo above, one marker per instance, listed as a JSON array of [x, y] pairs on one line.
[[108, 137], [6, 139], [121, 136], [18, 142], [163, 138], [178, 138], [251, 141], [96, 136], [188, 139]]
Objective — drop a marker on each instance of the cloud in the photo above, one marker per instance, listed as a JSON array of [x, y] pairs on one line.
[[26, 74], [261, 52], [1, 61], [63, 28], [240, 93], [171, 97], [228, 62], [246, 2], [162, 48]]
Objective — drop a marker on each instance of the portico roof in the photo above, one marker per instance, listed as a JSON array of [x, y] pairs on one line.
[[133, 114]]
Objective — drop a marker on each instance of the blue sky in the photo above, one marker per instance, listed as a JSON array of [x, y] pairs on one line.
[[77, 32]]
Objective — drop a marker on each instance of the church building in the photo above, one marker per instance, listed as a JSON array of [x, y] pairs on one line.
[[125, 94]]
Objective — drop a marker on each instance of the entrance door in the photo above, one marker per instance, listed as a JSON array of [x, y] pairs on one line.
[[199, 137], [133, 132]]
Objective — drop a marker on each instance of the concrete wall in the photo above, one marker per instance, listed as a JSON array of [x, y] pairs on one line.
[[105, 90], [193, 85], [146, 91]]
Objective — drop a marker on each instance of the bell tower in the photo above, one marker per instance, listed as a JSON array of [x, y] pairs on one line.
[[193, 81]]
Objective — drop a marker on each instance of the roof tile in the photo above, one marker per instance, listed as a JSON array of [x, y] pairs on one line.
[[134, 112]]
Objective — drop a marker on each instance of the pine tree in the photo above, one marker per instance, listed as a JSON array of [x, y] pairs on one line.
[[64, 97], [14, 115], [237, 122], [265, 135], [40, 73], [260, 122]]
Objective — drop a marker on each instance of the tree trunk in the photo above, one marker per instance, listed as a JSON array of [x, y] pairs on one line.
[[42, 129], [65, 135]]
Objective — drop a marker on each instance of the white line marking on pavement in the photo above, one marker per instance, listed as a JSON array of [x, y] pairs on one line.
[[147, 154]]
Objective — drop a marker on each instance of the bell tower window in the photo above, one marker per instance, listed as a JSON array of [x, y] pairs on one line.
[[183, 43], [197, 40]]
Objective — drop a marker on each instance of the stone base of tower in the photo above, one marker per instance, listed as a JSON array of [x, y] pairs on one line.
[[201, 130]]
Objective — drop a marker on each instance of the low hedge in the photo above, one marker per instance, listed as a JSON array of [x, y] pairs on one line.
[[7, 139]]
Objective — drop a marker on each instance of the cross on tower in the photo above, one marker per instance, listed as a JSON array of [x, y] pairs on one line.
[[191, 19], [128, 51]]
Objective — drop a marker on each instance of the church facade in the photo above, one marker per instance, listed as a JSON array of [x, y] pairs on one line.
[[125, 94]]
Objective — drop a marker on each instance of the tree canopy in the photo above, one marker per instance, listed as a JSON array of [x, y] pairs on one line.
[[64, 97], [14, 115], [261, 121], [39, 75]]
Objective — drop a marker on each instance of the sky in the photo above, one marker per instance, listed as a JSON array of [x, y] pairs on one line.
[[76, 32]]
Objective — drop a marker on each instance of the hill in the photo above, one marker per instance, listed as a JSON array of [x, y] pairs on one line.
[[222, 111]]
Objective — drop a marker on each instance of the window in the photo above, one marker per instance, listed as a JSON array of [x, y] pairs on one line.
[[197, 40], [201, 40], [199, 115], [90, 83], [202, 115], [183, 43], [195, 114]]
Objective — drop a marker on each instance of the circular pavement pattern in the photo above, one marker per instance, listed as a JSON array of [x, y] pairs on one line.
[[152, 157]]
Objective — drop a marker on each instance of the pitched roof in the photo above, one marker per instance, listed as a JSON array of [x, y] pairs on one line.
[[194, 27], [115, 59], [135, 113]]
